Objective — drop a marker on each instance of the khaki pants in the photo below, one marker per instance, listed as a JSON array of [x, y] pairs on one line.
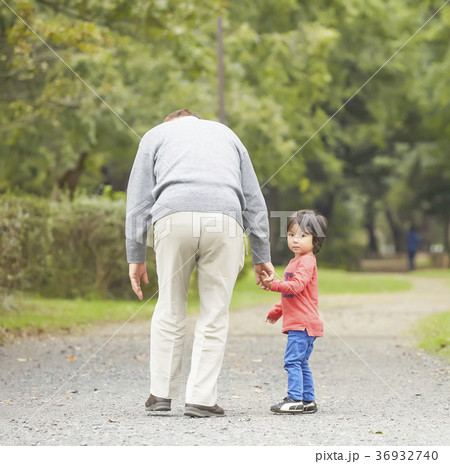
[[213, 241]]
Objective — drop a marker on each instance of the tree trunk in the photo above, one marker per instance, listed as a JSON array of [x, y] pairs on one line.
[[447, 233], [273, 204], [398, 235], [370, 227], [70, 178], [220, 71]]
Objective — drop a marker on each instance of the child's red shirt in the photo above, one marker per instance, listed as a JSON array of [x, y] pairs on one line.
[[299, 297]]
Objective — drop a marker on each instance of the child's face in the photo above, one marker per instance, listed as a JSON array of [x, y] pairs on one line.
[[299, 242]]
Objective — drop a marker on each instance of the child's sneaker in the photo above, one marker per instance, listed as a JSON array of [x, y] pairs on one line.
[[289, 406], [309, 407]]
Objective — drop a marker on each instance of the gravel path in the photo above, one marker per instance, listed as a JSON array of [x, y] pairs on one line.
[[373, 387]]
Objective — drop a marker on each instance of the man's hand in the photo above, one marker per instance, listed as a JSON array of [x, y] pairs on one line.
[[268, 268], [136, 272]]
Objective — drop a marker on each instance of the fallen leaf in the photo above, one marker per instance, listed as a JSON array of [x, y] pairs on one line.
[[71, 358]]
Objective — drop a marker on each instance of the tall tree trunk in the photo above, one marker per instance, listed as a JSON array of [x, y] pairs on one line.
[[370, 227], [70, 178], [447, 233], [398, 234], [273, 204], [220, 71]]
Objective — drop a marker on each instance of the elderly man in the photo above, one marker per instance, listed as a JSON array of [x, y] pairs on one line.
[[194, 181]]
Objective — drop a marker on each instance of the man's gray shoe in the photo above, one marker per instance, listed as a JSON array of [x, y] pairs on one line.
[[197, 410], [157, 404]]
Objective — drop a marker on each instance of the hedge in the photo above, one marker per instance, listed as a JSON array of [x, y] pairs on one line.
[[66, 249]]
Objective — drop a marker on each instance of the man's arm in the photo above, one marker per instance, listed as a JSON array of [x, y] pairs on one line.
[[255, 217], [139, 203]]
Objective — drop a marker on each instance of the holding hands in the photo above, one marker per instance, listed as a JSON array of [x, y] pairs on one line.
[[264, 269], [266, 281]]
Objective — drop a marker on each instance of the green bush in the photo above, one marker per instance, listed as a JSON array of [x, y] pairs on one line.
[[25, 242], [66, 249]]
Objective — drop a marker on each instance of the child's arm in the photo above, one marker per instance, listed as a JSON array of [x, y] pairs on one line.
[[297, 284], [274, 314]]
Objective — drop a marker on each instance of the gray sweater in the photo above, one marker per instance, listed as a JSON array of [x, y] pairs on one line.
[[191, 164]]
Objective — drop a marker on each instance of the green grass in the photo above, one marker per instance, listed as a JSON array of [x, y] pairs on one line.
[[433, 333], [44, 313], [433, 273], [339, 282], [39, 314]]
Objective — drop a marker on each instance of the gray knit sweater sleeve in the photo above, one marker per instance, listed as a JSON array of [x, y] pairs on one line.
[[255, 217], [139, 203]]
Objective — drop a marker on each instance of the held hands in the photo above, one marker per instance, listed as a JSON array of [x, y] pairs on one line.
[[266, 281], [264, 267], [136, 272]]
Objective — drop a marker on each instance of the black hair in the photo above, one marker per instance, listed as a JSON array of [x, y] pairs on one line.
[[313, 223]]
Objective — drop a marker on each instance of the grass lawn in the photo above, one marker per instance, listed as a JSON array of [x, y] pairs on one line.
[[45, 313], [433, 333], [434, 274], [40, 314], [338, 282]]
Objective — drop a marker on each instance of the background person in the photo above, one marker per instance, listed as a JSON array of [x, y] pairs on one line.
[[412, 245]]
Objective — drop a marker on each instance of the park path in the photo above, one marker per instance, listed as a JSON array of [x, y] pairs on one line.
[[373, 386]]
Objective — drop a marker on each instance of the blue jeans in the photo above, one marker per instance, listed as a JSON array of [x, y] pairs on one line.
[[298, 350]]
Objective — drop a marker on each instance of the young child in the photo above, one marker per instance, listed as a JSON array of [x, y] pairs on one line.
[[302, 323]]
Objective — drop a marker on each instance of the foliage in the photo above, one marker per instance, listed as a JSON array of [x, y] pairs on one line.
[[25, 242], [333, 117], [65, 249]]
